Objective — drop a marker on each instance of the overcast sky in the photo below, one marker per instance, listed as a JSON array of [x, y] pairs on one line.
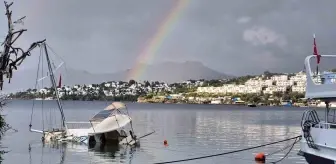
[[230, 36]]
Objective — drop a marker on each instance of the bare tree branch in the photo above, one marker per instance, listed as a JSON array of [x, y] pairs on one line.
[[7, 62]]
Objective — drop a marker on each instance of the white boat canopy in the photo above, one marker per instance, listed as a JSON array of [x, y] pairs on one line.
[[116, 105], [107, 112]]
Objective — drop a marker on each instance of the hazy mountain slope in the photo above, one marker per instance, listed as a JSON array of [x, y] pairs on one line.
[[167, 72], [176, 72]]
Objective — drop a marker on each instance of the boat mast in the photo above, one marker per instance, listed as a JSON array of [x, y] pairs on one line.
[[53, 82], [327, 111]]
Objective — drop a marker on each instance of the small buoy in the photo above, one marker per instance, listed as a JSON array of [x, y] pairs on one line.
[[165, 142], [260, 157]]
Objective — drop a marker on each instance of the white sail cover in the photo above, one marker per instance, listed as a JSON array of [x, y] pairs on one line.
[[116, 105], [111, 123]]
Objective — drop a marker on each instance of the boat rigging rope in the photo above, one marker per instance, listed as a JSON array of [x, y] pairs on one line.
[[233, 157], [36, 82], [292, 146], [29, 150], [42, 55], [55, 69], [190, 154], [54, 52], [284, 148], [130, 119], [65, 67], [230, 152]]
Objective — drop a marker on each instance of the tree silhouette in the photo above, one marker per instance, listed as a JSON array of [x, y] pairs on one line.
[[131, 82], [11, 57]]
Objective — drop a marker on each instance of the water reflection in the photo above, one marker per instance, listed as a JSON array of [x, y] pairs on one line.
[[61, 147], [191, 131], [70, 152]]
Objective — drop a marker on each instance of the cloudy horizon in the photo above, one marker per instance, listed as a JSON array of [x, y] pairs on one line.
[[234, 37]]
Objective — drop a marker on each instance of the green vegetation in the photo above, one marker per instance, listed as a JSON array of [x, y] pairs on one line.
[[179, 88], [267, 99], [239, 80], [268, 74], [214, 83], [100, 97], [88, 97]]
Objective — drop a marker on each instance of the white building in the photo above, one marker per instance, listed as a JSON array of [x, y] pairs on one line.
[[300, 89], [277, 83], [279, 78], [268, 83]]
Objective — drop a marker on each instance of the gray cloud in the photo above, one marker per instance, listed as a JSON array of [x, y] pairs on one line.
[[244, 19], [237, 37], [263, 36]]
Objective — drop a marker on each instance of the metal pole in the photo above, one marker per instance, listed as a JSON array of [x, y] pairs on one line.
[[327, 111]]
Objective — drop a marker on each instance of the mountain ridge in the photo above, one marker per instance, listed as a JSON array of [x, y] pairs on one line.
[[169, 72]]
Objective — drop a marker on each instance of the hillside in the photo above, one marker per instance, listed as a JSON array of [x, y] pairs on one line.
[[168, 72]]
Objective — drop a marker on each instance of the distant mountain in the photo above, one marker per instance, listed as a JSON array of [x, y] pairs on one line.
[[168, 72], [176, 72]]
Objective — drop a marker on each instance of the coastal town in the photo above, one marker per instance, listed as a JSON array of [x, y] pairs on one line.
[[266, 89]]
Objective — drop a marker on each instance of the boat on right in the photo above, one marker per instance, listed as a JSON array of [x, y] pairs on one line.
[[318, 144]]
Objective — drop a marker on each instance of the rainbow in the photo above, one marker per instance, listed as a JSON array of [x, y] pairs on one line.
[[157, 40]]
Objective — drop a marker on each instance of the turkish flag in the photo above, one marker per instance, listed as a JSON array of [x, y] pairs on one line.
[[316, 53]]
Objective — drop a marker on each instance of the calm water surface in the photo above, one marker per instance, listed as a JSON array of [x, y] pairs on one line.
[[191, 131]]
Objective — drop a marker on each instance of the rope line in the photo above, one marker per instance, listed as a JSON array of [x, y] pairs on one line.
[[191, 154], [61, 59], [36, 83], [42, 105], [296, 141], [230, 152], [284, 148], [130, 121], [232, 157]]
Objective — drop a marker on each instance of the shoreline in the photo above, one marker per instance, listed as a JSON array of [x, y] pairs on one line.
[[209, 104], [169, 102]]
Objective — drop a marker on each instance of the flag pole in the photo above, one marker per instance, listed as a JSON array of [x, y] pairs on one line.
[[317, 56], [60, 81]]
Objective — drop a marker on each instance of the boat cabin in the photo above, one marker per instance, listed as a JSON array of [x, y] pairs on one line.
[[321, 86]]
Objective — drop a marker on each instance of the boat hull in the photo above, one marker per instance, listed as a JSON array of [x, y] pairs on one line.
[[116, 137], [313, 159], [324, 141], [251, 105]]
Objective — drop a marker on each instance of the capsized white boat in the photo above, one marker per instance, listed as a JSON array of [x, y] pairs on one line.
[[112, 125]]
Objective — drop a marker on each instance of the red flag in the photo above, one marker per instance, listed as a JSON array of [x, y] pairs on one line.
[[315, 52], [60, 82]]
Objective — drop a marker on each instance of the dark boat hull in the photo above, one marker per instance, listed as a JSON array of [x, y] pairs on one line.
[[313, 159]]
